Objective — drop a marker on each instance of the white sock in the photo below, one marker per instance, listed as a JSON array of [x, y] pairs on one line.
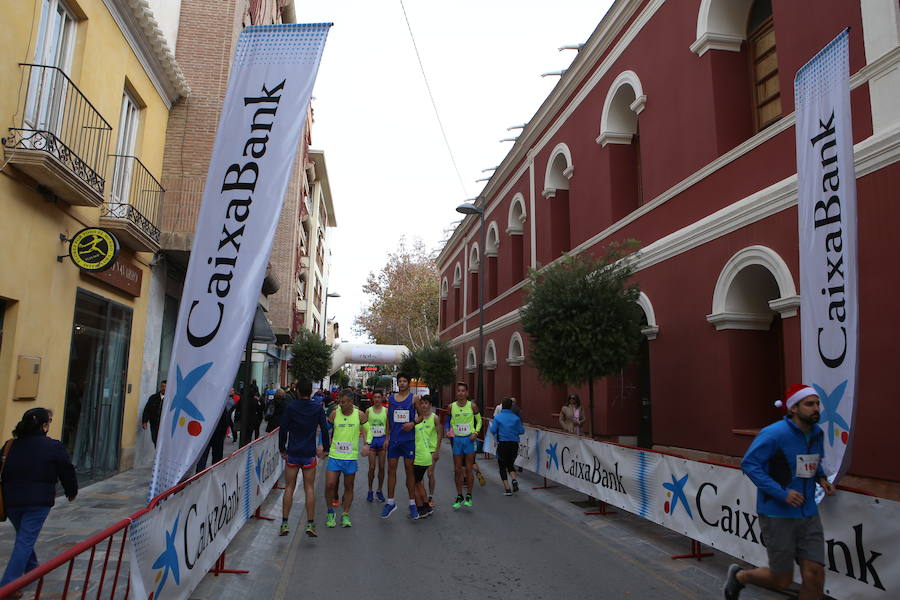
[[390, 500], [412, 502]]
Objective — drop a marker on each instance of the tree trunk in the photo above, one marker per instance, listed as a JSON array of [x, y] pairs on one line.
[[591, 407]]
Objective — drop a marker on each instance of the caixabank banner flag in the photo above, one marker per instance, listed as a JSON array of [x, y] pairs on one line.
[[173, 547], [716, 505], [826, 209], [262, 121]]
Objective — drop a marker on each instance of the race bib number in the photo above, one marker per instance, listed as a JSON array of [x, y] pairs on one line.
[[807, 465], [401, 416], [462, 429], [377, 431], [343, 447]]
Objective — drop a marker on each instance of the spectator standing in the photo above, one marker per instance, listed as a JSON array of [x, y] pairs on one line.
[[217, 439], [153, 411], [571, 417], [275, 410], [32, 464]]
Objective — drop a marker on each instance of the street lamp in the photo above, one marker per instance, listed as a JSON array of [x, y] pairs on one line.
[[469, 208]]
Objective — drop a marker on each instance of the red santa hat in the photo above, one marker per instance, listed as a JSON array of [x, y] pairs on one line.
[[795, 394]]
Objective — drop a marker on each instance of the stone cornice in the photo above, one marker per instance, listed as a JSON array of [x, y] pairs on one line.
[[140, 28]]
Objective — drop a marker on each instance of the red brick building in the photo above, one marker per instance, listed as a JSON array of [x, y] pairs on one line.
[[674, 125]]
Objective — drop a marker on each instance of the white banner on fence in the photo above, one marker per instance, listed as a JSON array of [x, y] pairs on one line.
[[172, 547], [716, 505], [261, 125], [826, 210]]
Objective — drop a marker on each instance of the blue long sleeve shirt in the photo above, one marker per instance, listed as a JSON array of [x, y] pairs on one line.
[[299, 422], [507, 426], [771, 463]]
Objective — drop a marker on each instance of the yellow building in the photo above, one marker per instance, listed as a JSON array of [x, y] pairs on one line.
[[86, 90]]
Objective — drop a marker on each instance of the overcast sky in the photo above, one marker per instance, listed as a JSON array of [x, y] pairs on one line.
[[390, 171]]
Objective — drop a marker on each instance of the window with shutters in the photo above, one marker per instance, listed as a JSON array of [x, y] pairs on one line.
[[763, 57]]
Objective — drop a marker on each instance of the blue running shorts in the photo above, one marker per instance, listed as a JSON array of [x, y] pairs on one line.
[[347, 467], [463, 445], [405, 449]]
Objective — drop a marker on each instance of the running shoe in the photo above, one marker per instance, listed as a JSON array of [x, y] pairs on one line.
[[480, 478], [311, 530], [468, 501], [732, 588], [379, 496], [370, 497], [425, 512], [345, 520], [458, 502], [507, 493], [413, 512], [388, 509], [330, 519], [515, 485], [284, 529]]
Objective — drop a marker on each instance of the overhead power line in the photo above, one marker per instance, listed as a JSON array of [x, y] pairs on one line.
[[433, 103]]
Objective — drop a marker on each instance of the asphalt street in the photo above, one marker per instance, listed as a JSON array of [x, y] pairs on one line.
[[536, 544]]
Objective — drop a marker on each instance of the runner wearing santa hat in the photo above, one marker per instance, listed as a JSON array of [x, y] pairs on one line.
[[784, 462]]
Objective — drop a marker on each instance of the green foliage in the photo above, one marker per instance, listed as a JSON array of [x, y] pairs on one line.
[[311, 357], [341, 378], [582, 317], [409, 364], [437, 364], [372, 380]]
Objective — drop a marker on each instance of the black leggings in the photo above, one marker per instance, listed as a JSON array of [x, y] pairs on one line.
[[506, 457]]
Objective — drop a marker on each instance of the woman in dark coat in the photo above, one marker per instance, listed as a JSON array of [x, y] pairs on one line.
[[33, 466]]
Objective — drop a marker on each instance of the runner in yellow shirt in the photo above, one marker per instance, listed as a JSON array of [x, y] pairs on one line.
[[348, 421]]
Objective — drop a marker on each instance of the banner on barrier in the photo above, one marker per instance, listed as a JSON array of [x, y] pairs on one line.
[[260, 128], [716, 506], [172, 547]]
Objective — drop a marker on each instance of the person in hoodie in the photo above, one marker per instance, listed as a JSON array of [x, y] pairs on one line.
[[297, 442], [785, 463], [507, 427]]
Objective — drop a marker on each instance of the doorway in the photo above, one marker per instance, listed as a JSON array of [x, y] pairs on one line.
[[95, 391]]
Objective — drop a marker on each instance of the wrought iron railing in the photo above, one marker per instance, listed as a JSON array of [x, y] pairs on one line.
[[135, 195], [60, 120]]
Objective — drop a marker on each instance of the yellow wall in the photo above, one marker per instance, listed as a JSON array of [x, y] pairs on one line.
[[39, 323]]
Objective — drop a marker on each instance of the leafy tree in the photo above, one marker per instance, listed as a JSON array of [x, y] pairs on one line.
[[341, 378], [404, 298], [582, 318], [372, 380], [409, 364], [437, 366], [311, 357]]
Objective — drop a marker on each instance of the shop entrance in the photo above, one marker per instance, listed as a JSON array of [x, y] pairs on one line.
[[95, 392]]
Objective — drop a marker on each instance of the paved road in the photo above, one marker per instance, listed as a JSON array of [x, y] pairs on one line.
[[534, 545]]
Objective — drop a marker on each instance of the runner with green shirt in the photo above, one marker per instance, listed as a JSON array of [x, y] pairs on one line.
[[463, 427], [376, 438], [347, 421], [427, 439]]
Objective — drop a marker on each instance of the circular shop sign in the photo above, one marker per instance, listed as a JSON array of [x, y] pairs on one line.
[[93, 249]]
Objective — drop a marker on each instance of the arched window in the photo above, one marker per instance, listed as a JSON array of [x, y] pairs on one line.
[[490, 376], [556, 228], [763, 65], [445, 293], [515, 359], [474, 274], [491, 251], [457, 293], [471, 368], [515, 228], [620, 137]]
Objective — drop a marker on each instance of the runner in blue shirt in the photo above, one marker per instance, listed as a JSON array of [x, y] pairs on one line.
[[401, 443]]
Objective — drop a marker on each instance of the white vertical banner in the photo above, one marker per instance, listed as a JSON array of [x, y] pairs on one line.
[[826, 183], [260, 128]]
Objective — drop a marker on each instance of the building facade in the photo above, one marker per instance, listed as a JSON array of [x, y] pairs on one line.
[[88, 85], [674, 126]]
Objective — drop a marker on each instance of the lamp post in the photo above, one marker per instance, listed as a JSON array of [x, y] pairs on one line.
[[470, 208], [325, 323]]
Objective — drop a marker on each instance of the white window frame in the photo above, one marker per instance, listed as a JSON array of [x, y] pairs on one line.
[[129, 119], [54, 48]]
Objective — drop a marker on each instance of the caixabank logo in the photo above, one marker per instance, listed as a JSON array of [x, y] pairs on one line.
[[182, 403], [167, 562], [266, 465], [590, 468]]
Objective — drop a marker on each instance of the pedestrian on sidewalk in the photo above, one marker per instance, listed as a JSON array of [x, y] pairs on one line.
[[784, 462], [32, 464], [275, 409], [507, 427], [344, 459], [571, 416], [153, 411], [301, 420]]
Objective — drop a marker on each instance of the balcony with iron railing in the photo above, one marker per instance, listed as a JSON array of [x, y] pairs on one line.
[[133, 208], [63, 140]]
